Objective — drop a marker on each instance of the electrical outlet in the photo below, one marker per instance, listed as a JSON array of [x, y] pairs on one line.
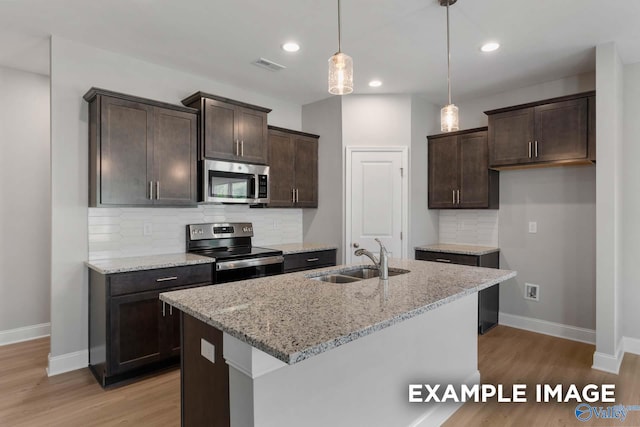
[[148, 229], [275, 224], [208, 350], [531, 292], [533, 227]]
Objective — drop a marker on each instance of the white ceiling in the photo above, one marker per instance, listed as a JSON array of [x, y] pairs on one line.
[[401, 42]]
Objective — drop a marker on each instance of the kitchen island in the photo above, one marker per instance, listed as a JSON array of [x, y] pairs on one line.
[[306, 352]]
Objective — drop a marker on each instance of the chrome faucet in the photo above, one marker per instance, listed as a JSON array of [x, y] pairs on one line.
[[383, 264]]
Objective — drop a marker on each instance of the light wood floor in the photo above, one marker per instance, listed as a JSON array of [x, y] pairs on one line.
[[29, 398]]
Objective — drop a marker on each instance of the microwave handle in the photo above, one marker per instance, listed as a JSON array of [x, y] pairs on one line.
[[252, 188]]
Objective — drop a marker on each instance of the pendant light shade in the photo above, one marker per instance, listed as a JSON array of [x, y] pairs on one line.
[[449, 121], [340, 68]]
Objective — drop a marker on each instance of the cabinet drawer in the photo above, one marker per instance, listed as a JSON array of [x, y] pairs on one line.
[[162, 278], [448, 258], [309, 260]]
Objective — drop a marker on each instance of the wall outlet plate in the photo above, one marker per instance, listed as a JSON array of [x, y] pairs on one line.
[[533, 227], [148, 229], [208, 350], [531, 292]]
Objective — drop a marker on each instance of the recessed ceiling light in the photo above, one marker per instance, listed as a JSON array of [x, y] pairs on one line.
[[291, 47], [375, 83], [490, 47]]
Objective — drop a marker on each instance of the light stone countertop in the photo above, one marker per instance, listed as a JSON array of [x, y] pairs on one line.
[[292, 317], [458, 249], [123, 265], [296, 248]]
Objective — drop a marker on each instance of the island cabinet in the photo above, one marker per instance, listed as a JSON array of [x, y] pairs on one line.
[[489, 298], [309, 260], [132, 332], [459, 174], [545, 133], [230, 130], [293, 163], [141, 152]]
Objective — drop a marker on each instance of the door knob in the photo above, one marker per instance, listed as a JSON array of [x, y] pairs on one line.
[[355, 245]]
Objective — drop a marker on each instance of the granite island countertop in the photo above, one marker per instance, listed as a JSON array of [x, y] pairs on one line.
[[292, 317], [123, 265], [458, 249], [297, 248]]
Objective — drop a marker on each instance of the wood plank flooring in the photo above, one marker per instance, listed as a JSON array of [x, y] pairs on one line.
[[29, 398]]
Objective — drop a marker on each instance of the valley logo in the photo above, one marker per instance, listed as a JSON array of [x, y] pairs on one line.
[[584, 412]]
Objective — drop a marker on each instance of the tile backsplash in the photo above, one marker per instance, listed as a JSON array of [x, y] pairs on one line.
[[472, 227], [120, 232]]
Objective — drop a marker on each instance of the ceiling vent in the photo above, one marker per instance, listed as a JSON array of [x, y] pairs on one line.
[[268, 65]]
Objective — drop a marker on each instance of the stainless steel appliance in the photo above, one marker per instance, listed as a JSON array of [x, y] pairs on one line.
[[227, 182], [230, 244]]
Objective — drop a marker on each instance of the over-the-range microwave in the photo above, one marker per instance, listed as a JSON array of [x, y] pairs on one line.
[[227, 182]]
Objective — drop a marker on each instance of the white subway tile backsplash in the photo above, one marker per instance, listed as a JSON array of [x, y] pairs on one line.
[[119, 232], [471, 227]]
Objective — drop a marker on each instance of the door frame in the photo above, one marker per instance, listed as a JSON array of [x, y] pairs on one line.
[[405, 196]]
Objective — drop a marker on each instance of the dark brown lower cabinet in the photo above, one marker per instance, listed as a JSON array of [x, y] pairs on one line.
[[309, 260], [489, 298], [132, 332], [204, 384]]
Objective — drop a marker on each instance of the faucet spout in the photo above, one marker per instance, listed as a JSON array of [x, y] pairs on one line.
[[382, 264]]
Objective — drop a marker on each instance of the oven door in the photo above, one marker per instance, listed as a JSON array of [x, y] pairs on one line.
[[231, 271]]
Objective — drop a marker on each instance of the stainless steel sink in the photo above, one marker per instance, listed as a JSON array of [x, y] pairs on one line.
[[356, 274]]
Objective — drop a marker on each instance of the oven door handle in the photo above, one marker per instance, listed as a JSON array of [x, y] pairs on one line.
[[245, 263]]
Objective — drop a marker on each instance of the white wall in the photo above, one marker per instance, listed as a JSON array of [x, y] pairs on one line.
[[631, 203], [24, 204], [561, 256], [74, 69], [324, 224], [609, 111], [376, 120]]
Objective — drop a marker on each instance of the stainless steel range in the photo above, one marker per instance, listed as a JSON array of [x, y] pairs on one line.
[[230, 244]]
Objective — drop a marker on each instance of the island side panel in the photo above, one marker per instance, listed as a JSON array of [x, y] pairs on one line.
[[366, 381]]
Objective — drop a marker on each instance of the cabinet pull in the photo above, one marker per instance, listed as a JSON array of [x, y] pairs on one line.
[[170, 310], [442, 260], [293, 195], [162, 308], [458, 193], [242, 148], [453, 200], [297, 195], [237, 152], [536, 150], [529, 149], [166, 279], [313, 259], [157, 190], [150, 190]]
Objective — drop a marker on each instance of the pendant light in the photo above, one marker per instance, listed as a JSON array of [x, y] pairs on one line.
[[449, 121], [340, 69]]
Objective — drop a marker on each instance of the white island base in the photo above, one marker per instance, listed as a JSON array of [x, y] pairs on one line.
[[362, 383]]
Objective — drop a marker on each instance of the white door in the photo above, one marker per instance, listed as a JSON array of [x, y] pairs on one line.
[[376, 202]]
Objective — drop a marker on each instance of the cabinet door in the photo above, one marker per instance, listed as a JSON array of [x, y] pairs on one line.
[[510, 135], [126, 152], [474, 170], [306, 172], [174, 157], [252, 127], [443, 172], [220, 132], [136, 331], [561, 130], [281, 165]]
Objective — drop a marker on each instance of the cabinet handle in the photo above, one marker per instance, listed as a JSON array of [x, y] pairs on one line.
[[293, 195], [453, 200], [150, 190], [166, 279], [157, 190], [297, 195], [313, 259], [529, 149], [442, 260], [162, 308], [237, 153], [458, 192], [536, 148], [170, 310], [242, 148]]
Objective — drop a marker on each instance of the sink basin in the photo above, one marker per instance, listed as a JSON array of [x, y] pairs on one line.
[[356, 274]]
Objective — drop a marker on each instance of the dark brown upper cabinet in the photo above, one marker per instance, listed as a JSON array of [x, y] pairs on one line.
[[230, 130], [141, 152], [553, 132], [293, 164], [459, 175]]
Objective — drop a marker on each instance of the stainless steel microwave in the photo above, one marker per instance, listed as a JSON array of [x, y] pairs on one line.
[[227, 182]]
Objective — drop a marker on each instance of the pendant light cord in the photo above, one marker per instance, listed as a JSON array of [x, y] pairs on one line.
[[339, 25], [448, 55]]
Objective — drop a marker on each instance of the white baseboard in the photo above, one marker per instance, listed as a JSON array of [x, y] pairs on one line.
[[572, 333], [438, 414], [26, 333], [67, 362], [608, 363], [631, 345]]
